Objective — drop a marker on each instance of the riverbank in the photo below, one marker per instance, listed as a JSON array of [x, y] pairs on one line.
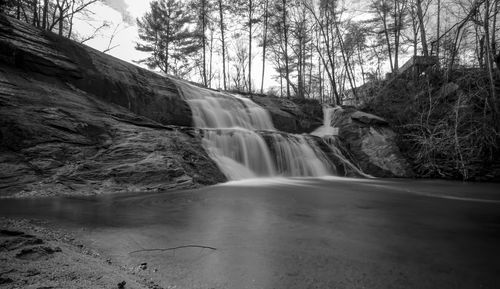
[[38, 254]]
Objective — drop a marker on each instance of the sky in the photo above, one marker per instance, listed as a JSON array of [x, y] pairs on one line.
[[118, 13]]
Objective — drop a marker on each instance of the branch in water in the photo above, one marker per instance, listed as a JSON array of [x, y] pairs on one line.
[[174, 248]]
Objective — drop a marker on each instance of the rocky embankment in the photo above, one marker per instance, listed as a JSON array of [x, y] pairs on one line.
[[35, 254], [76, 121], [371, 142]]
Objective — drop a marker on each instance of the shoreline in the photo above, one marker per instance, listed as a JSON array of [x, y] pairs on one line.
[[39, 254]]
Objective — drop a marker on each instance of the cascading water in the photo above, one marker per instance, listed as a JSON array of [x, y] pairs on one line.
[[329, 135], [327, 129], [239, 153], [235, 130], [310, 161]]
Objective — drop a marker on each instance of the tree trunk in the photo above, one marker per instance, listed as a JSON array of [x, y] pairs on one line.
[[18, 10], [423, 37], [204, 40], [489, 58], [320, 81], [250, 10], [264, 45], [70, 22], [299, 69], [221, 15], [309, 88], [438, 31], [285, 35], [494, 33], [167, 44], [361, 64], [61, 20], [44, 14], [333, 83], [396, 34], [387, 39], [35, 12], [346, 64], [211, 58]]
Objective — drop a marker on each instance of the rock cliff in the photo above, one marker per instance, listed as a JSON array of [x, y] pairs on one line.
[[141, 91], [76, 121]]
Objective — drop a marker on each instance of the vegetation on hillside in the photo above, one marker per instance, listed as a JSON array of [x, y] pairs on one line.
[[448, 128]]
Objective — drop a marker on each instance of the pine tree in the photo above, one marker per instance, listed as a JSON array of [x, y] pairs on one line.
[[168, 34], [203, 10]]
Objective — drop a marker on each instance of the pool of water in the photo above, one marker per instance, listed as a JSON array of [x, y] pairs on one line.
[[294, 233]]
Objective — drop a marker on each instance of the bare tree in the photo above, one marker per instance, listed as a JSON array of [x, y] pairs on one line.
[[223, 40]]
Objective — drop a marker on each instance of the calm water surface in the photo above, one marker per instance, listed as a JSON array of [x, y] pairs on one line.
[[295, 233]]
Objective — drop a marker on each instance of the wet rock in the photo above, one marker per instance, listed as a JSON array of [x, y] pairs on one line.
[[153, 285], [121, 285], [292, 115], [372, 143], [4, 232], [16, 243], [5, 280], [13, 240], [37, 253], [32, 272]]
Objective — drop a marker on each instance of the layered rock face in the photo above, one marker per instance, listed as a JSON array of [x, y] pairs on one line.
[[372, 143], [75, 121], [112, 80]]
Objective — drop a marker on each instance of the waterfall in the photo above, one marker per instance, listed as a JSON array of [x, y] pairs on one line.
[[297, 157], [329, 135], [327, 129], [240, 137], [239, 153]]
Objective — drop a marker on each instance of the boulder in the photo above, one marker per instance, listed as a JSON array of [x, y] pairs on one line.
[[371, 142]]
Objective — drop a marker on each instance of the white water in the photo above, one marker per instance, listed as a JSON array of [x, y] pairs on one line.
[[329, 134], [311, 161], [234, 130], [327, 129], [240, 153]]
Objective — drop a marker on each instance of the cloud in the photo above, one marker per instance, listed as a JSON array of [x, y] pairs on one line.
[[138, 8], [122, 7]]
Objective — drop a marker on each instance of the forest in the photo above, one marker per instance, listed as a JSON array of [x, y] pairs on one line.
[[362, 53]]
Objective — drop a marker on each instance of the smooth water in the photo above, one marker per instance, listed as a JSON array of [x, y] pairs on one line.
[[233, 135], [293, 233]]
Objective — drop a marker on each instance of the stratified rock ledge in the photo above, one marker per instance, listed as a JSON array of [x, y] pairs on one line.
[[74, 121]]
